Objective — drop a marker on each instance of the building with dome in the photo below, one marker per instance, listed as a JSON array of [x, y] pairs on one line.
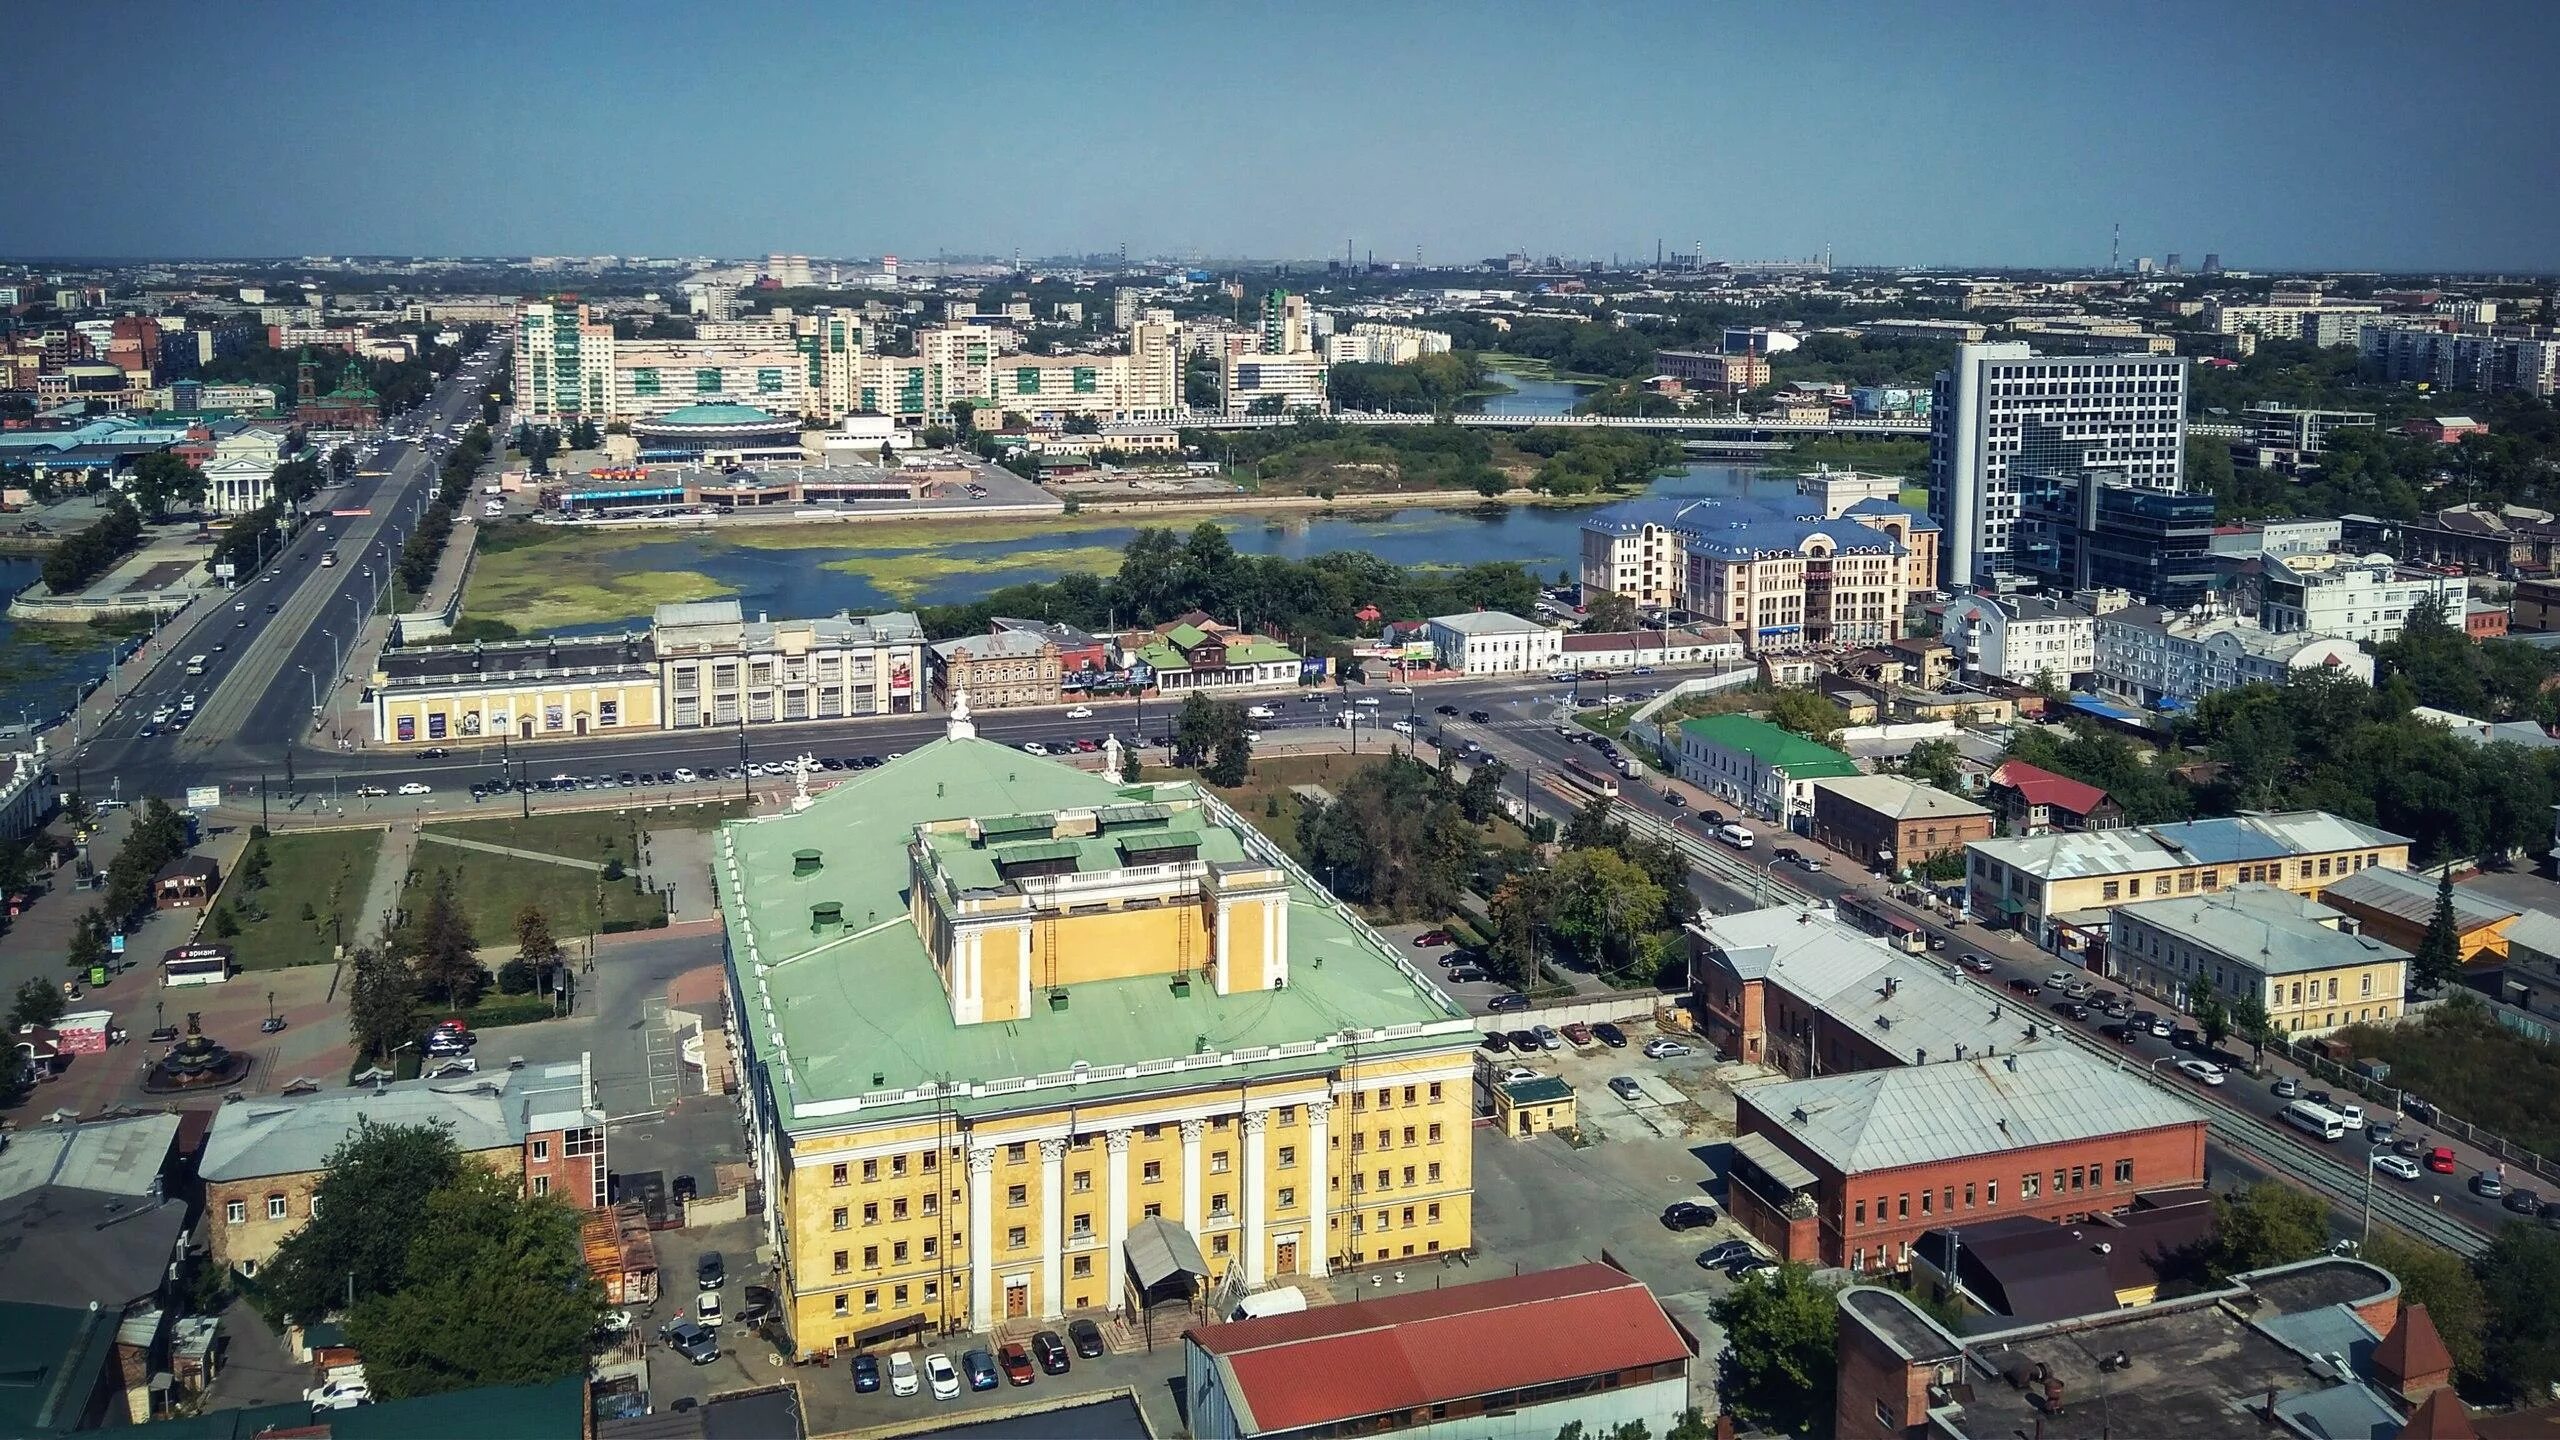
[[719, 434]]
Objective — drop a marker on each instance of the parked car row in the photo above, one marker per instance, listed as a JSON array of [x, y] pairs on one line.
[[1013, 1361]]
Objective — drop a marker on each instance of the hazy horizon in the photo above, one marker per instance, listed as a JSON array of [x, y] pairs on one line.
[[1978, 134]]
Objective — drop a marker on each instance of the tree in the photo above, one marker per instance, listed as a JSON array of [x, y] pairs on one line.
[[2441, 1281], [1481, 797], [1608, 613], [1602, 902], [1808, 714], [2439, 958], [1780, 1362], [445, 958], [1210, 734], [2250, 1019], [583, 436], [1519, 908], [2205, 1003], [38, 1002], [2520, 1283], [162, 479], [1933, 762], [366, 1211], [493, 1290], [382, 1004], [536, 951], [2266, 1223]]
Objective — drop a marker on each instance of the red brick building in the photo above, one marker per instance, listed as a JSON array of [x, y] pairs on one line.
[[1850, 1169], [2483, 621]]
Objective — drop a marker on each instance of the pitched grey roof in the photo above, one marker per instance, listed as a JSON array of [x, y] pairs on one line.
[[1488, 622], [2268, 929], [2413, 898], [1907, 1007], [1873, 1120], [293, 1135], [1899, 799], [114, 1157]]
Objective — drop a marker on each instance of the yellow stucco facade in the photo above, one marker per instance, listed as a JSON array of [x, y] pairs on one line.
[[1293, 1177], [553, 710], [1283, 1141]]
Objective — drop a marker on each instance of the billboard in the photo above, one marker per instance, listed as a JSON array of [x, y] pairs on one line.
[[203, 797]]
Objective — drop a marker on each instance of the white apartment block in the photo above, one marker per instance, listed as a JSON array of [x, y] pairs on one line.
[[570, 366], [2467, 360], [2007, 423], [1259, 384], [2163, 659], [1490, 642], [2021, 638], [1370, 343], [2351, 597], [968, 363], [2290, 322]]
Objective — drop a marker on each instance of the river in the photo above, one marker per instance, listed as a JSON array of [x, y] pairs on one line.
[[905, 569], [42, 667]]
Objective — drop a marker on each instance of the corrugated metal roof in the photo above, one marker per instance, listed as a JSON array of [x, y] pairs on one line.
[[2413, 898], [1915, 1114], [2271, 930], [2190, 842], [1899, 799], [1405, 1352]]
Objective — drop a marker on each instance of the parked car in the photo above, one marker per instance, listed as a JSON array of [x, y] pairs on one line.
[[1609, 1035], [1050, 1351], [1578, 1033], [710, 1272], [1626, 1088], [2398, 1167], [706, 1308], [939, 1374], [1467, 974], [2057, 979], [1508, 1002], [1086, 1337], [866, 1373], [1724, 1254], [2352, 1116], [339, 1395], [1496, 1041], [1523, 1040], [2203, 1072], [1688, 1215], [693, 1342], [1977, 962], [1665, 1048], [2523, 1201], [2487, 1185], [1015, 1362], [1548, 1039], [1429, 938], [2023, 986], [2286, 1087]]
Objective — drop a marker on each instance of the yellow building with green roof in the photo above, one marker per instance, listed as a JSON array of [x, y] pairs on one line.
[[1022, 1042]]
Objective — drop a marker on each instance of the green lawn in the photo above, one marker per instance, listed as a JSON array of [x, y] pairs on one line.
[[327, 871], [495, 889]]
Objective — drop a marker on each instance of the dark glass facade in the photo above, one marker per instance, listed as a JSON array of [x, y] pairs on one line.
[[2084, 534]]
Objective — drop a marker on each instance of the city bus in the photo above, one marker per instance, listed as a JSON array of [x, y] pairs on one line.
[[1872, 916], [1584, 777], [2316, 1120]]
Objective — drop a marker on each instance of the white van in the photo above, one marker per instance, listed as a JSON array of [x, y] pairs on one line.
[[195, 664], [1734, 835], [1286, 1300], [2315, 1120]]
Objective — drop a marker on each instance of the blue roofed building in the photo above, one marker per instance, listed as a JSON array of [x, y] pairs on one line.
[[1775, 570]]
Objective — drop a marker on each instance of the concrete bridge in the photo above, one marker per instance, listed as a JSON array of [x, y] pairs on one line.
[[1715, 426]]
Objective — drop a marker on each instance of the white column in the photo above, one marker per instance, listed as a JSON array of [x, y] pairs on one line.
[[1053, 1224], [1115, 1205], [1192, 1215], [1256, 1122], [982, 1240], [1319, 1187]]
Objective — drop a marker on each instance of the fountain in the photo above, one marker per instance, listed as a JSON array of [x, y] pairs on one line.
[[197, 1062]]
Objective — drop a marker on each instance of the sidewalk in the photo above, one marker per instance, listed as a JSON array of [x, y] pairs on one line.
[[345, 721], [390, 878]]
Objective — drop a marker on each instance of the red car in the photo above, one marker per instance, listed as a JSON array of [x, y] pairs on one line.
[[2440, 1160], [1578, 1033], [1431, 937], [1016, 1363]]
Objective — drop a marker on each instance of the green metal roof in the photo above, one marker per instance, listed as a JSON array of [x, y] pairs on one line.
[[853, 1026], [1802, 759], [718, 414], [1545, 1090], [56, 1354]]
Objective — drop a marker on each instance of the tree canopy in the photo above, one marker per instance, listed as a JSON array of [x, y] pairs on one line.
[[1780, 1363]]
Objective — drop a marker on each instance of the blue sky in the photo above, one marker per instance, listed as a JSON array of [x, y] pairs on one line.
[[2278, 134]]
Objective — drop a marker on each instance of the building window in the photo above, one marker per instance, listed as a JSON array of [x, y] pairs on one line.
[[236, 1211], [1017, 1196], [870, 1171], [837, 1176], [1082, 1182], [844, 1218], [1288, 1197], [2124, 1172], [844, 1304], [870, 1300], [871, 1214], [275, 1207], [2029, 1186], [1153, 1174], [1016, 1238], [1082, 1267], [844, 1261], [1288, 1157], [1016, 1153], [1902, 1206], [870, 1257], [1217, 1162]]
